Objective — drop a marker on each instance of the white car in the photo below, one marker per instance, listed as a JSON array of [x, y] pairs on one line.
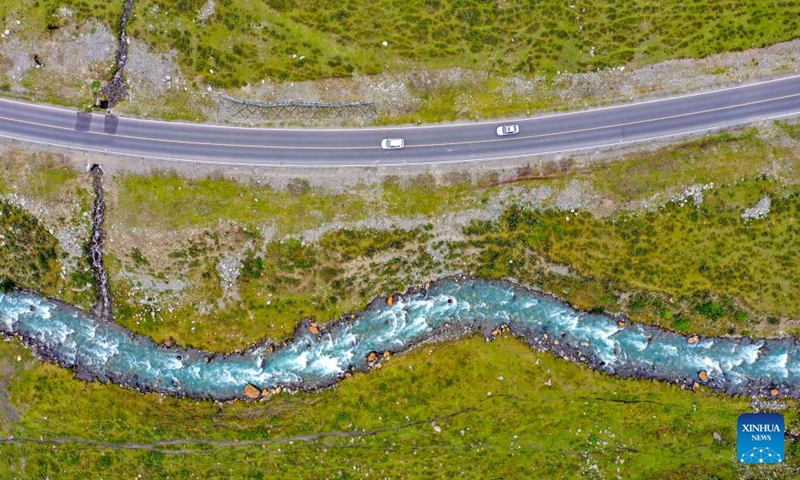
[[504, 130], [392, 143]]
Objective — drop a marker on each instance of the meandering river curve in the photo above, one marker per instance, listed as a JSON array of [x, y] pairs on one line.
[[453, 307]]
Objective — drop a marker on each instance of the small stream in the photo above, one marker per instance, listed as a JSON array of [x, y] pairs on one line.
[[115, 90], [102, 305], [448, 309]]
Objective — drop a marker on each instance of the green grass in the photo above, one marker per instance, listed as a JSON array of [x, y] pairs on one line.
[[698, 269], [313, 40], [423, 195], [170, 202], [646, 429], [280, 282], [485, 99], [348, 267], [32, 256], [36, 15], [51, 182], [42, 21], [680, 250], [29, 255], [720, 159], [351, 244], [792, 130], [42, 176], [244, 42]]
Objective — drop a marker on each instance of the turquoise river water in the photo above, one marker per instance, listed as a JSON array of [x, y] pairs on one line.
[[96, 348]]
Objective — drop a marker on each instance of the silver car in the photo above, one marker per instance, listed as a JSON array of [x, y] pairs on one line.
[[392, 143], [504, 130]]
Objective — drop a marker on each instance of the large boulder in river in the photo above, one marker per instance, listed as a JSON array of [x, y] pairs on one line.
[[251, 392]]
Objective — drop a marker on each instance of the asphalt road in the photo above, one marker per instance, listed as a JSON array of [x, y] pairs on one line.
[[424, 144]]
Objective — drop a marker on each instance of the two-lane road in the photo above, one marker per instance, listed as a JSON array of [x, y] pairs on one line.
[[316, 147]]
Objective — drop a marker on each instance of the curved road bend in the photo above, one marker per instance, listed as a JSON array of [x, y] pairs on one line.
[[424, 144]]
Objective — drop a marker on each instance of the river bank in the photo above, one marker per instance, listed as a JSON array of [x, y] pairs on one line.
[[317, 358]]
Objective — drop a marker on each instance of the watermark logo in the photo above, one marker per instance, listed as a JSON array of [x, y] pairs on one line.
[[760, 438]]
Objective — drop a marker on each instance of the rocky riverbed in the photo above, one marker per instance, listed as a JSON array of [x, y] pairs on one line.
[[102, 305], [115, 90], [317, 357]]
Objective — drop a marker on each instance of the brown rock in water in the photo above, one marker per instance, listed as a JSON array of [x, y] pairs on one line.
[[251, 392], [387, 354], [390, 300], [207, 359], [313, 327], [271, 348], [621, 323], [265, 392], [693, 339], [703, 375], [774, 392], [372, 356]]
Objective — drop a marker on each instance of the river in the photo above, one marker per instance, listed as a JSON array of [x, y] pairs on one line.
[[447, 309]]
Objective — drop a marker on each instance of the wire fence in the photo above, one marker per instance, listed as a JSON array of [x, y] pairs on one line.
[[238, 110]]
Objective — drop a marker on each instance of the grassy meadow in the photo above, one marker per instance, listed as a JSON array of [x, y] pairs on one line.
[[666, 265], [471, 408], [230, 44], [244, 42]]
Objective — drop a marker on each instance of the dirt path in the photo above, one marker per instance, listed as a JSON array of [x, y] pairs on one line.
[[154, 446]]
